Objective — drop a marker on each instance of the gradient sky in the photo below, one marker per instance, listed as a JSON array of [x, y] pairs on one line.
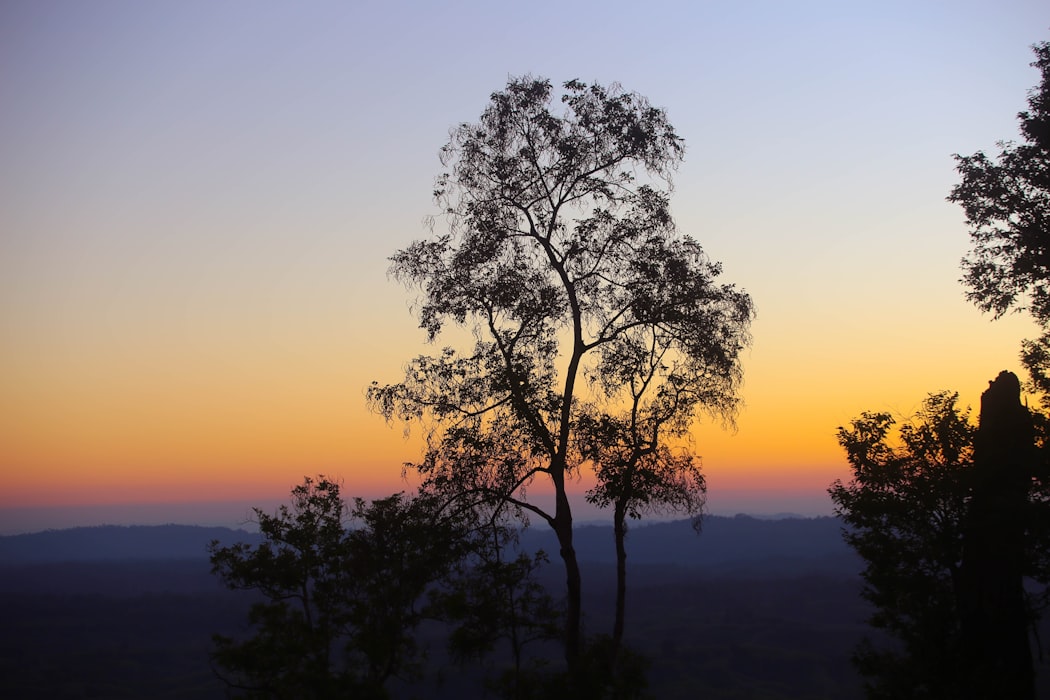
[[197, 200]]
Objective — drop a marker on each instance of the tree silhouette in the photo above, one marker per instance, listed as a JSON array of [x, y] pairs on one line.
[[638, 474], [1007, 205], [400, 552], [950, 522], [903, 510], [298, 571], [495, 597], [343, 590], [561, 252]]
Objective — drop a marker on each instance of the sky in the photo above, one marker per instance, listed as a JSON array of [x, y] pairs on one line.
[[198, 200]]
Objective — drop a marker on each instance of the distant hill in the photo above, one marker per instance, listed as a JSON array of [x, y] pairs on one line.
[[117, 542], [737, 544]]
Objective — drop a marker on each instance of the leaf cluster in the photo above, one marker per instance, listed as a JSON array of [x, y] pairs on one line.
[[904, 510], [1007, 205], [495, 597], [343, 589]]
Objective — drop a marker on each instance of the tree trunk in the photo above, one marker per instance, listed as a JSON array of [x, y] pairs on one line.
[[620, 533], [573, 611], [996, 655]]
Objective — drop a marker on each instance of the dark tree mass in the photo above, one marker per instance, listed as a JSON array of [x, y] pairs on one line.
[[903, 512], [950, 522], [343, 590]]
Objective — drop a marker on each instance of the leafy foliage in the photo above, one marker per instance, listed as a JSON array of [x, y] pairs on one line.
[[297, 571], [904, 510], [908, 512], [342, 593], [1007, 204], [495, 598]]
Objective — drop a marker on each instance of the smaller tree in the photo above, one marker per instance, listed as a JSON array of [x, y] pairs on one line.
[[400, 552], [904, 511], [496, 598], [297, 569], [637, 474], [343, 591]]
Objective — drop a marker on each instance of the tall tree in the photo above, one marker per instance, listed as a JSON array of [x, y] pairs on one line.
[[1007, 204], [560, 245]]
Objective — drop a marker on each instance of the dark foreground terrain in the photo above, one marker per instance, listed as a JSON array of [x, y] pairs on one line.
[[749, 609]]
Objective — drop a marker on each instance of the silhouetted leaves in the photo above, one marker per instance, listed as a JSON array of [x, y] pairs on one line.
[[1007, 205], [908, 511], [563, 260], [904, 510], [343, 592]]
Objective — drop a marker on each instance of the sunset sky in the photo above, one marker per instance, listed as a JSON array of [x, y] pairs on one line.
[[197, 201]]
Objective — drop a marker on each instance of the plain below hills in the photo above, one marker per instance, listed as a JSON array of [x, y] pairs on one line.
[[748, 608]]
